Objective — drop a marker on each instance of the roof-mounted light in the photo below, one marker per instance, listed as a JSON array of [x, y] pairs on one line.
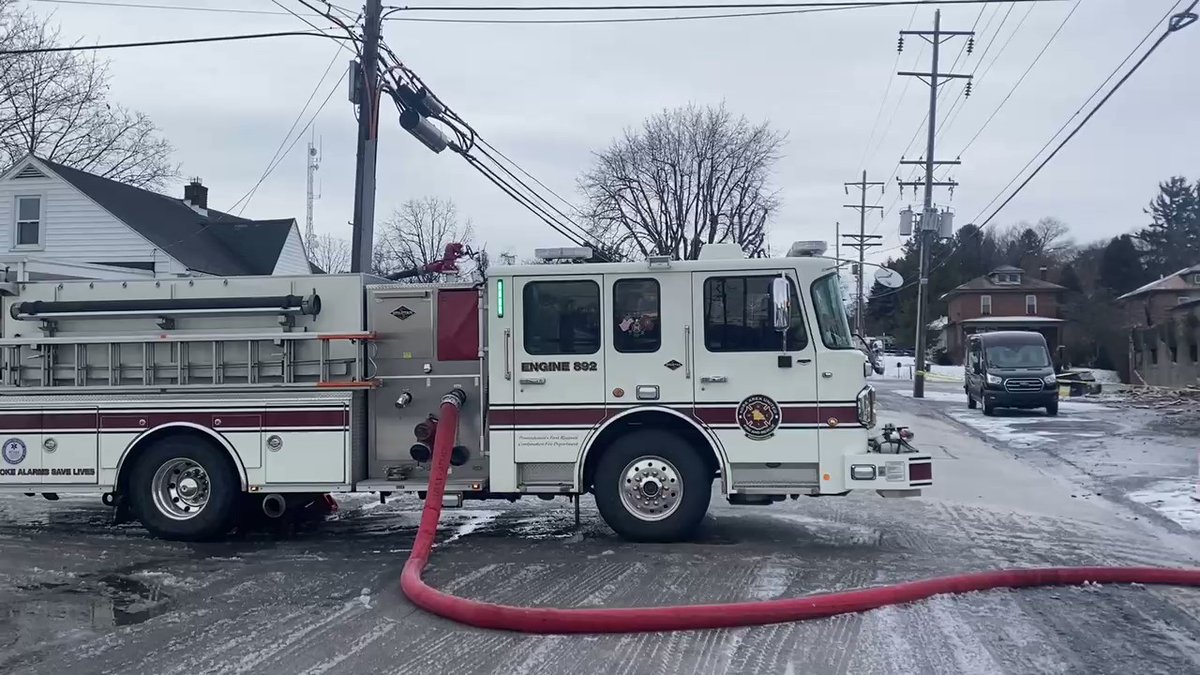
[[807, 249]]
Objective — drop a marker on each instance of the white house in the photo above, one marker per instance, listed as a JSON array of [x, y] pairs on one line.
[[66, 223]]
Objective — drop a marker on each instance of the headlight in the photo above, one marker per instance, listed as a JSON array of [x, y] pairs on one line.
[[866, 407], [1050, 379], [995, 379]]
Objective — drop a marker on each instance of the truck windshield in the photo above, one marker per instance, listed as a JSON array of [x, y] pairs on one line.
[[831, 313], [1017, 356]]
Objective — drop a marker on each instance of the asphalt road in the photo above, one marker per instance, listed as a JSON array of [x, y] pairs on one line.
[[78, 595]]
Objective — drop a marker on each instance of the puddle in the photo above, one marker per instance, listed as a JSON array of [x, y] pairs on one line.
[[55, 612]]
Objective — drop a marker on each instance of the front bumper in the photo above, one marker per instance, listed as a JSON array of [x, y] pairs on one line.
[[893, 475], [1021, 399]]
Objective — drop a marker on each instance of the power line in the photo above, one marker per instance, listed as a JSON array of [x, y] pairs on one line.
[[271, 168], [140, 5], [1023, 76], [690, 6], [641, 19], [1185, 19], [162, 43], [883, 102], [245, 200]]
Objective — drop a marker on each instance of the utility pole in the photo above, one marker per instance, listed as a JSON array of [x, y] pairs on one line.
[[367, 97], [313, 163], [929, 221], [862, 241]]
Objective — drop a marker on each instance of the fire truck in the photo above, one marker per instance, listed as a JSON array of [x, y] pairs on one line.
[[185, 402]]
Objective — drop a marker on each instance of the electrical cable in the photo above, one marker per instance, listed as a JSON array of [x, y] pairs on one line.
[[689, 6], [1022, 77], [140, 5], [162, 43], [246, 198], [887, 90], [548, 620], [1175, 23], [642, 19]]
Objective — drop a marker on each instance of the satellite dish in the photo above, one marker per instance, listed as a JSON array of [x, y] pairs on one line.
[[888, 278]]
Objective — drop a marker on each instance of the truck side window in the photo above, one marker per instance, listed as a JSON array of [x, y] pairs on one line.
[[561, 317], [737, 316], [636, 311]]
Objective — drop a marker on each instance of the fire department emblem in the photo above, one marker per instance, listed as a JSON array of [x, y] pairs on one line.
[[402, 312], [758, 416], [14, 451]]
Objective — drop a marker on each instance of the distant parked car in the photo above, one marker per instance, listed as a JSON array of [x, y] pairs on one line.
[[1010, 369]]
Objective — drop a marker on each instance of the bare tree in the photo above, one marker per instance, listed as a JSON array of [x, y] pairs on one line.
[[330, 253], [689, 176], [416, 234], [56, 105]]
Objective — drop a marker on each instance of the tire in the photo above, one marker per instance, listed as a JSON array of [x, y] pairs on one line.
[[170, 512], [669, 467], [988, 408], [1052, 409], [970, 400]]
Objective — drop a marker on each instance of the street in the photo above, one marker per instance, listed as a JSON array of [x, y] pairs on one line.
[[1087, 488]]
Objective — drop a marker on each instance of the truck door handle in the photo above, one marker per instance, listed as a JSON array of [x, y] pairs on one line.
[[713, 379], [804, 361], [533, 380]]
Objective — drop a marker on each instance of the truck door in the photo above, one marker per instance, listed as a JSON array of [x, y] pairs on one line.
[[647, 340], [754, 386], [558, 354]]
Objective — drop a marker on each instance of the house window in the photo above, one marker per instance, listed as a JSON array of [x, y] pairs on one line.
[[562, 317], [1194, 352], [1182, 299], [1031, 305], [28, 228], [636, 316], [985, 305]]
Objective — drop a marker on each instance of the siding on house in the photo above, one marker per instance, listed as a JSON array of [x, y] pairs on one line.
[[292, 258], [1004, 303], [74, 227]]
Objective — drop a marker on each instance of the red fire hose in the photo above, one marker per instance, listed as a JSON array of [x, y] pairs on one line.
[[692, 617]]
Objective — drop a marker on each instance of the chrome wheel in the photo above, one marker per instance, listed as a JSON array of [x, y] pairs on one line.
[[651, 488], [180, 488]]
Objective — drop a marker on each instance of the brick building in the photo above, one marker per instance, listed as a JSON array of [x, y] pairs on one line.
[[1164, 321], [1007, 298], [1152, 304]]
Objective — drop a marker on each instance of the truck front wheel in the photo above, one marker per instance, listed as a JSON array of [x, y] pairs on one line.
[[651, 485], [184, 489]]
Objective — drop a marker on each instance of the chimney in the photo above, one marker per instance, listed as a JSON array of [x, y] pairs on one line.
[[195, 194], [1042, 270]]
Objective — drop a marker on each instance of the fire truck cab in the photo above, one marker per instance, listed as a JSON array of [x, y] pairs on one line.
[[184, 401]]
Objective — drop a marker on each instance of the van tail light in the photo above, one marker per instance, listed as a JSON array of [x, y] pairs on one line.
[[920, 471]]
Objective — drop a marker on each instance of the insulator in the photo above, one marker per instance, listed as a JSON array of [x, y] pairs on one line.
[[968, 93], [970, 44], [900, 44]]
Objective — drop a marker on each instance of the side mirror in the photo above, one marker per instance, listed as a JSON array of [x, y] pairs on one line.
[[781, 303]]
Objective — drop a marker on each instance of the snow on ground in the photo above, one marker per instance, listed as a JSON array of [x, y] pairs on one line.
[[903, 367], [1174, 499]]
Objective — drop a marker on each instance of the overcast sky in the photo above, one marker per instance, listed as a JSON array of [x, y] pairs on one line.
[[550, 95]]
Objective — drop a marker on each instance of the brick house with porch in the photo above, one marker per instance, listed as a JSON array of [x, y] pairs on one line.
[[1007, 298]]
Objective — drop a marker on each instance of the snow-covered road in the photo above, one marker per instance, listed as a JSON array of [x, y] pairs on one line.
[[78, 595]]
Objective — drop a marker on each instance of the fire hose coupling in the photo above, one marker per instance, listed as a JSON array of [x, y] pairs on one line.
[[455, 397]]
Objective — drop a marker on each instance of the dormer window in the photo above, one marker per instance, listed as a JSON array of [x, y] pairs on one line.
[[1007, 277], [1196, 278]]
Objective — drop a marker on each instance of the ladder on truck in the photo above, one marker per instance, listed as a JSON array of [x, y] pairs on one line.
[[163, 362]]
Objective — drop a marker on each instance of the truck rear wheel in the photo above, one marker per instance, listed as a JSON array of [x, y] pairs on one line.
[[651, 485], [184, 489]]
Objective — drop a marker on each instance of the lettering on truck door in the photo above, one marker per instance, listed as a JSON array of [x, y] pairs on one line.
[[558, 350], [754, 386]]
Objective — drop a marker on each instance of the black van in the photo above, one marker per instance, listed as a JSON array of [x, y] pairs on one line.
[[1010, 369]]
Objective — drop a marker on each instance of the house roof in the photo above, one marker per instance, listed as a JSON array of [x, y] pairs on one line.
[[1171, 282], [214, 243], [985, 283]]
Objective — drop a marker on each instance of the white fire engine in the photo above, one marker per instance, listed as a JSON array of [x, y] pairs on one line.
[[184, 401]]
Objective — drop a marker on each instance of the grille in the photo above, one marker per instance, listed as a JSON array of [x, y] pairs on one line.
[[1018, 385]]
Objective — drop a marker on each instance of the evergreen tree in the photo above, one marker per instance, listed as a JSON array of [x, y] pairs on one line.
[[1121, 267], [1172, 240], [1069, 280]]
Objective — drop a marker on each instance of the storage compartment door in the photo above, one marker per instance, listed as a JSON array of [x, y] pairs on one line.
[[20, 447], [71, 447]]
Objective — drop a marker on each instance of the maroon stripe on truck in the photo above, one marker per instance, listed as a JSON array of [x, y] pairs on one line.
[[294, 419], [504, 417]]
